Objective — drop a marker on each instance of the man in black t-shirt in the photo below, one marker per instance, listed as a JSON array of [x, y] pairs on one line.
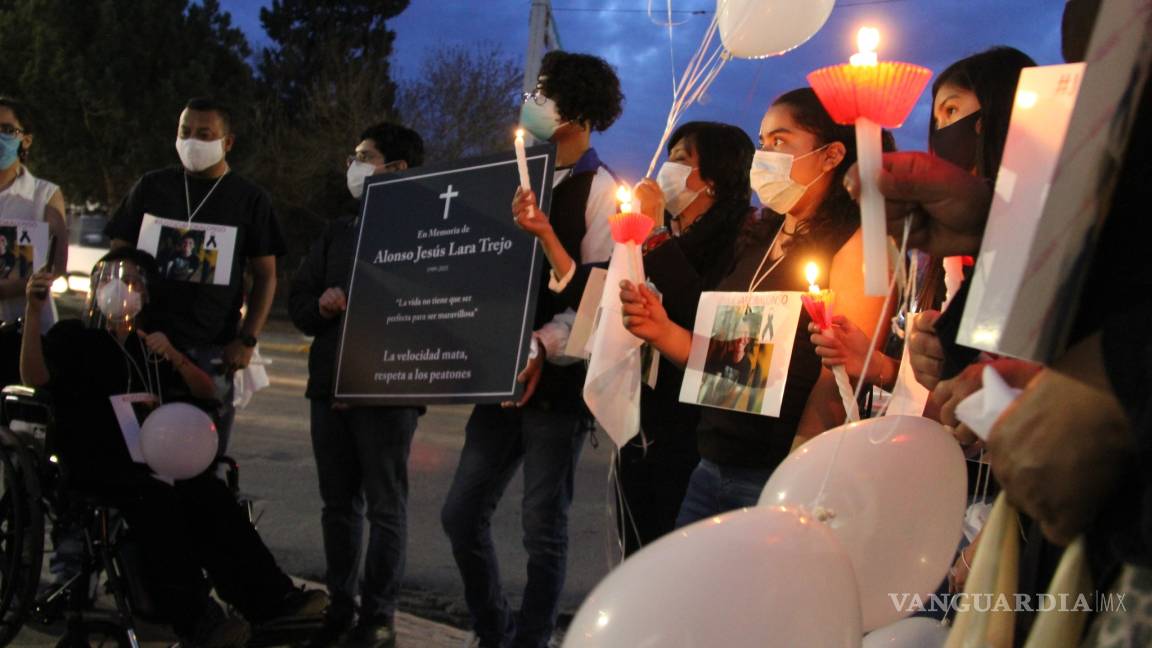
[[205, 317]]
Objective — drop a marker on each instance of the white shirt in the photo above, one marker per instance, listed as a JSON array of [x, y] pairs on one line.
[[595, 247], [27, 199]]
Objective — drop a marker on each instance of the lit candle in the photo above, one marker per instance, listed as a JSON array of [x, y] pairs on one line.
[[522, 166], [628, 201], [871, 94], [811, 272], [630, 228], [522, 160], [867, 40], [869, 153], [818, 303]]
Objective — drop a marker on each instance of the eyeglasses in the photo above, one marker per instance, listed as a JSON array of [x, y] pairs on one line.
[[10, 130], [365, 156], [536, 97]]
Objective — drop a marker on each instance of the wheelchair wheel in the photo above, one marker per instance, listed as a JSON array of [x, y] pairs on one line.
[[96, 634], [21, 534]]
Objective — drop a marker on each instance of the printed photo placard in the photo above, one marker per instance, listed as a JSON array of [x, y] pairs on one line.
[[741, 350], [193, 252], [23, 247]]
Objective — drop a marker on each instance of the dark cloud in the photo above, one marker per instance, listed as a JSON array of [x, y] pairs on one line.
[[932, 33]]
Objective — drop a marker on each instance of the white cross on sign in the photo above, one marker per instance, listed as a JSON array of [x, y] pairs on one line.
[[448, 196]]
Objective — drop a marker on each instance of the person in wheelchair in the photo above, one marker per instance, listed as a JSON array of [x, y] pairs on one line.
[[184, 528]]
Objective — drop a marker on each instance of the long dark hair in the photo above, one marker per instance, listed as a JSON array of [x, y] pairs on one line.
[[837, 216], [992, 76], [725, 154], [23, 114]]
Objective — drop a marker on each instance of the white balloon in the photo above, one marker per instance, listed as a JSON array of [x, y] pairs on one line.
[[761, 28], [764, 576], [897, 493], [178, 440], [913, 632]]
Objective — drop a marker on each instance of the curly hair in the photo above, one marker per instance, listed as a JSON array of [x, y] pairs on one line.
[[584, 87], [725, 153], [992, 76]]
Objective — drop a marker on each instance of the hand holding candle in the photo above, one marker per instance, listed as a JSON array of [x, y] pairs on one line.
[[630, 228], [870, 94], [818, 304], [522, 164]]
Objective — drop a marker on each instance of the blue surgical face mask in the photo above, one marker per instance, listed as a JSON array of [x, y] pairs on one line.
[[9, 150], [540, 119]]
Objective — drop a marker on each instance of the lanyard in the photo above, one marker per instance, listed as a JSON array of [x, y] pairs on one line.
[[131, 364], [758, 278], [188, 200]]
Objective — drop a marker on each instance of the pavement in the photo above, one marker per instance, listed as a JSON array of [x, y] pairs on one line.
[[272, 445]]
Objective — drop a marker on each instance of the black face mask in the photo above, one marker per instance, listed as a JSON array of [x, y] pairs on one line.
[[958, 142]]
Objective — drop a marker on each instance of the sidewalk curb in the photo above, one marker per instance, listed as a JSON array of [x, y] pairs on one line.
[[413, 631]]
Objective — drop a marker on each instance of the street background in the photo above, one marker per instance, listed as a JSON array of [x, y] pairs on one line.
[[271, 442]]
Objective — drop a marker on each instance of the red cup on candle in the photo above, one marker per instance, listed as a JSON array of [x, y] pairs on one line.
[[870, 94]]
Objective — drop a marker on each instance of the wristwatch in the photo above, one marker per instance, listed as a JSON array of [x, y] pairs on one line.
[[247, 340]]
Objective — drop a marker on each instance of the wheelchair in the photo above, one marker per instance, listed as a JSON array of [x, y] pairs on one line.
[[35, 490]]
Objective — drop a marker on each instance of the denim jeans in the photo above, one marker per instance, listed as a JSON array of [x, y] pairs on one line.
[[496, 442], [210, 358], [715, 489], [362, 461]]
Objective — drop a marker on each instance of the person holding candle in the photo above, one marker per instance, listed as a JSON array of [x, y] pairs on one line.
[[798, 172], [971, 106], [701, 202], [576, 95], [1073, 450]]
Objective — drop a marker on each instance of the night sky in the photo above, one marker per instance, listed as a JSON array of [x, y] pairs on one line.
[[933, 33]]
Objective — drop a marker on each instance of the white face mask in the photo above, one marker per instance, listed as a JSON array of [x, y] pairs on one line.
[[541, 120], [771, 179], [197, 155], [673, 181], [117, 300], [358, 172]]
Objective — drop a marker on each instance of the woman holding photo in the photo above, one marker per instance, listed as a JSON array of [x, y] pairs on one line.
[[798, 174], [24, 197]]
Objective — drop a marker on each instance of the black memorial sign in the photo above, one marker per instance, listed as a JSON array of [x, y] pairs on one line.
[[444, 286]]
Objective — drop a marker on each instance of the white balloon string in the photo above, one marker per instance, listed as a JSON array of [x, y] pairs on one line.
[[667, 22], [691, 92], [987, 476], [698, 74], [671, 43], [611, 505], [818, 499], [883, 309]]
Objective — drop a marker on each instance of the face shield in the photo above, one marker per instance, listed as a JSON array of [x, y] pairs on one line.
[[117, 295]]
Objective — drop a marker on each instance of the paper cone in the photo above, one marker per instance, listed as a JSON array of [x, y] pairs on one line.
[[884, 93], [630, 228]]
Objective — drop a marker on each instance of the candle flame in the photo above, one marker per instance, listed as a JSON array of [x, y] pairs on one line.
[[519, 133], [867, 39], [811, 272], [623, 195]]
